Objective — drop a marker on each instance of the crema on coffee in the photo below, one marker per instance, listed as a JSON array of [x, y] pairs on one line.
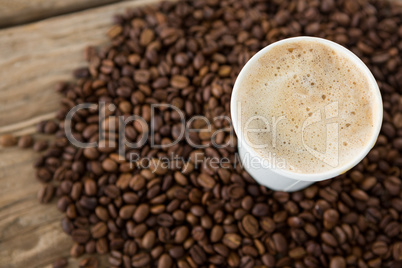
[[307, 103]]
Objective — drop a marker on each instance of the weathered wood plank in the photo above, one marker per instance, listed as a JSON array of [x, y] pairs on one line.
[[34, 57], [13, 12]]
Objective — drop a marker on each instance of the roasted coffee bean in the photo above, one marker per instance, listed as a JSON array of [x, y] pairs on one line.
[[8, 140], [165, 261], [198, 255], [102, 246], [90, 262], [217, 233], [90, 187], [99, 230], [359, 195], [267, 224], [50, 127], [295, 222], [176, 252], [45, 194], [260, 210], [337, 262], [126, 212], [297, 253], [280, 242], [40, 145], [148, 240], [141, 213], [25, 141], [60, 263], [393, 229], [206, 181], [329, 239], [181, 234], [331, 217], [77, 250], [379, 248], [250, 225], [80, 235], [232, 241]]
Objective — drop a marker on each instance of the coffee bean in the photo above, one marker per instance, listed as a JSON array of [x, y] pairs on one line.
[[40, 145], [327, 5], [328, 194], [379, 248], [115, 260], [198, 233], [233, 241], [90, 247], [297, 253], [337, 262], [329, 239], [311, 261], [45, 194], [99, 230], [141, 213], [359, 195], [8, 140], [25, 141], [181, 234], [90, 262], [60, 263], [206, 181], [217, 233], [156, 166], [179, 81], [109, 165], [393, 229], [127, 211], [165, 261], [88, 202], [176, 252], [198, 255], [250, 225], [260, 210], [148, 240], [393, 185], [102, 246], [235, 191], [90, 187], [280, 242], [50, 127], [80, 235], [331, 217], [76, 250], [146, 37], [295, 222], [137, 231]]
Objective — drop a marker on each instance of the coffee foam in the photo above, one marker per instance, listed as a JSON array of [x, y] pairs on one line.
[[299, 81]]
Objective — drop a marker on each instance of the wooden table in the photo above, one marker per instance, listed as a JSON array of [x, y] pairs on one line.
[[33, 57]]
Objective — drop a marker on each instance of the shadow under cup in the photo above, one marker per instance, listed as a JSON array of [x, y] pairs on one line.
[[271, 174]]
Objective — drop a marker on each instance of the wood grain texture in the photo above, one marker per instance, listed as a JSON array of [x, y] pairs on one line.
[[13, 12], [33, 58]]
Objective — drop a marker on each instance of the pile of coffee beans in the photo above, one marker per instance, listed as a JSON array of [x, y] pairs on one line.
[[196, 214]]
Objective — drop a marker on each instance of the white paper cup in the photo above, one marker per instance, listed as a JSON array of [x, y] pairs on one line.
[[279, 179]]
